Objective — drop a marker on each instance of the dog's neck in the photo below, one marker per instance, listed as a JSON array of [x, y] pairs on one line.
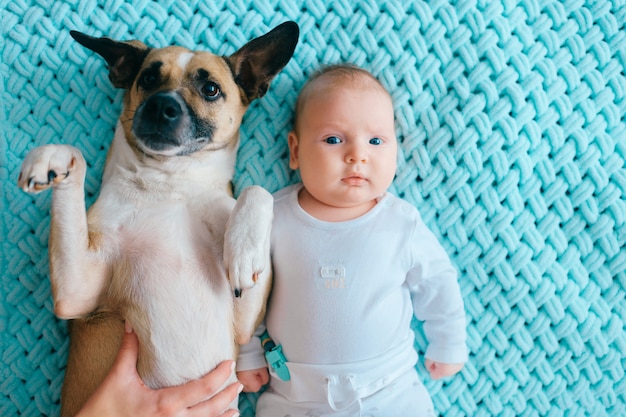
[[183, 175]]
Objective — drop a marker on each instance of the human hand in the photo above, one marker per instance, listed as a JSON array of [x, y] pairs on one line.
[[440, 370], [123, 393], [254, 379]]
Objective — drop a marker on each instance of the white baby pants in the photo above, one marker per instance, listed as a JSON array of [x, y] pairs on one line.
[[405, 396], [359, 390]]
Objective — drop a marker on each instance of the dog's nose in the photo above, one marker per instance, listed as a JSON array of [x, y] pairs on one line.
[[163, 109], [163, 122]]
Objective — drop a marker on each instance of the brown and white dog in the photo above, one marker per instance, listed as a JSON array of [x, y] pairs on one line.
[[165, 246]]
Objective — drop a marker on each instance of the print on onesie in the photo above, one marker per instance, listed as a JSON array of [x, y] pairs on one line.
[[333, 275]]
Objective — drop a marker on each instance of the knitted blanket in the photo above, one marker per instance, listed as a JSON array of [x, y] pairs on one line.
[[510, 116]]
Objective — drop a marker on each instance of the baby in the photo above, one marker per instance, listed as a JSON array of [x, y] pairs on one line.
[[352, 265]]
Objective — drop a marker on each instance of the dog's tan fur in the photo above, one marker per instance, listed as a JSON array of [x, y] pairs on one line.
[[165, 245]]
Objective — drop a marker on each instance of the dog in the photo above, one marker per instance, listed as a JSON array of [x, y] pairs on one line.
[[165, 246]]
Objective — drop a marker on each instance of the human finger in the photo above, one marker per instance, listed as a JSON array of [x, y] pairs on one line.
[[434, 369], [218, 403], [199, 390], [126, 359]]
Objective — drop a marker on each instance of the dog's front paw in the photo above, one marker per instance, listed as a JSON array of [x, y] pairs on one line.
[[246, 241], [49, 165], [246, 255], [245, 269]]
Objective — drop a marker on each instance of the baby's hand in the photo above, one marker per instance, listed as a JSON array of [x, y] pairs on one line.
[[254, 379], [440, 370]]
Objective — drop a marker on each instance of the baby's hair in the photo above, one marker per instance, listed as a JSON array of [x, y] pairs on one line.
[[342, 71], [338, 74]]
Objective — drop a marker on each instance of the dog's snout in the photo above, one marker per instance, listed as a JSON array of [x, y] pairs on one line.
[[163, 109], [162, 122]]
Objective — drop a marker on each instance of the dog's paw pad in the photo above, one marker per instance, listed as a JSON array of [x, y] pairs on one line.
[[47, 166]]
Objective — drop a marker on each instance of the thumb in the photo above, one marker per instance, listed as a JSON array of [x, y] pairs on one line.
[[127, 355], [433, 368]]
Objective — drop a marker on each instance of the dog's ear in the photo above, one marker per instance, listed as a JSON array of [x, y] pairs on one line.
[[258, 61], [123, 58]]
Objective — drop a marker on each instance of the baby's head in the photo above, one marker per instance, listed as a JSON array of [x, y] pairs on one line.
[[336, 77], [344, 141]]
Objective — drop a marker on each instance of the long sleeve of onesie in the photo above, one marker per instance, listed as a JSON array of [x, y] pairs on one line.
[[437, 299], [251, 354]]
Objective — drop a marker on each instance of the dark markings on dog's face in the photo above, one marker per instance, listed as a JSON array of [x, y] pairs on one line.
[[182, 102], [200, 98], [165, 124], [150, 78]]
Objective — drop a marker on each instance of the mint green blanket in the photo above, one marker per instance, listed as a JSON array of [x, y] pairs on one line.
[[511, 120]]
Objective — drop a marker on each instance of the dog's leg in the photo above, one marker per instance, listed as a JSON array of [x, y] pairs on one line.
[[247, 258], [76, 275], [94, 344]]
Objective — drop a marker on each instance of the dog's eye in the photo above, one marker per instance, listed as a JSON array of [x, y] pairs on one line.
[[149, 79], [211, 91]]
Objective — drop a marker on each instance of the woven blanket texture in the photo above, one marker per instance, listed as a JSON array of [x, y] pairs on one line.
[[510, 117]]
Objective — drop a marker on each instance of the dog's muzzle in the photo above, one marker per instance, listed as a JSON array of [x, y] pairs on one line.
[[165, 124]]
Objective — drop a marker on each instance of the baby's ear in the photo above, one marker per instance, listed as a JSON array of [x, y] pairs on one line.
[[292, 141]]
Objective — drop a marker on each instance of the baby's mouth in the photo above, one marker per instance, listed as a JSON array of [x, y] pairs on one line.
[[354, 179]]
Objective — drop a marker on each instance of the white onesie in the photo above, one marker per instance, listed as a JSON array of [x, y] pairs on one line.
[[343, 298]]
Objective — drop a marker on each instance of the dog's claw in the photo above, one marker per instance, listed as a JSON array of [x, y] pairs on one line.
[[238, 293]]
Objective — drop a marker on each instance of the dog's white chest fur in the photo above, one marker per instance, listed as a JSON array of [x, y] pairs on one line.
[[158, 247], [166, 267], [170, 272]]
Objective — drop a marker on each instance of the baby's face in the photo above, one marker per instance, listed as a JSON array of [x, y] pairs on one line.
[[345, 146]]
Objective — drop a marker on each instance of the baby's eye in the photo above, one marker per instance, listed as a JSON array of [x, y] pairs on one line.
[[333, 140], [376, 141]]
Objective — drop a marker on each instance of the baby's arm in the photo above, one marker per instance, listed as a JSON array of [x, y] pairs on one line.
[[440, 370], [438, 302], [251, 366]]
